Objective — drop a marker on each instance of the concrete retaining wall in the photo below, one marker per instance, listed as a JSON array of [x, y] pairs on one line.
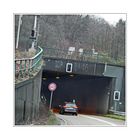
[[27, 98], [79, 67], [119, 85]]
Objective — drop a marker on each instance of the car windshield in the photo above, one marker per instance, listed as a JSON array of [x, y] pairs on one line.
[[70, 105]]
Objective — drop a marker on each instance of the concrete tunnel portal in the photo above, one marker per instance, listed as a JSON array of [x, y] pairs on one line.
[[91, 93]]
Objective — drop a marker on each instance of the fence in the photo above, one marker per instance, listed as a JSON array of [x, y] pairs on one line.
[[27, 66], [82, 56], [117, 112]]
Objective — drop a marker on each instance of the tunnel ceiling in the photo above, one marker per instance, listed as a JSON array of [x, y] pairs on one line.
[[54, 74]]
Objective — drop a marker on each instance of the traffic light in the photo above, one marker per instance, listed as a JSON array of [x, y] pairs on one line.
[[116, 95], [32, 33], [69, 67]]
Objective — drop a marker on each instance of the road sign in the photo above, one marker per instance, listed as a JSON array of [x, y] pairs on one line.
[[52, 87], [116, 95]]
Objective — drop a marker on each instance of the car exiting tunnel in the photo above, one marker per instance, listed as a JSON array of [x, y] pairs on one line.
[[91, 93]]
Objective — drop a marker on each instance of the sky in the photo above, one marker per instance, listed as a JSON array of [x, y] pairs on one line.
[[112, 18]]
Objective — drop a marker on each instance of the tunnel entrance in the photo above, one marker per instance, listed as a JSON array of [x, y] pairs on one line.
[[91, 93]]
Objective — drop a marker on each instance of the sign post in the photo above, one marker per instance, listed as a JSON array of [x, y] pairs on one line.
[[52, 88], [51, 100]]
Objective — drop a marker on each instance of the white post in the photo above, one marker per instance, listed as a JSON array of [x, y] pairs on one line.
[[105, 67], [51, 99], [35, 24], [19, 23], [115, 106]]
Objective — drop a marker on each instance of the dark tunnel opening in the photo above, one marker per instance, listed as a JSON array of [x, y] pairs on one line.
[[89, 92]]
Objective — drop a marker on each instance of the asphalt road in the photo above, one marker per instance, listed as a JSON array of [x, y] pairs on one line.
[[88, 120]]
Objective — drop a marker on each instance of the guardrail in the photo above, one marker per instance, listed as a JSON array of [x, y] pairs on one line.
[[82, 56], [27, 66], [117, 112]]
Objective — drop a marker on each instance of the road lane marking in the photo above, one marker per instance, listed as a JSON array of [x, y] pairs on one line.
[[100, 120]]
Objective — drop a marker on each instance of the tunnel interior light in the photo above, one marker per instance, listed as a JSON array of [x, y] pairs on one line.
[[57, 77], [44, 78], [71, 75], [108, 93]]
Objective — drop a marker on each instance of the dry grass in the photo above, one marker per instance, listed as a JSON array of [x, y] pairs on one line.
[[46, 116], [114, 116], [25, 54]]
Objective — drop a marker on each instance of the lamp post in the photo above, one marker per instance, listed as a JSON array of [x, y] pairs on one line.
[[19, 24], [34, 30]]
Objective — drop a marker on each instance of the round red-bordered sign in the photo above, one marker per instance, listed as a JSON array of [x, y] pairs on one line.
[[52, 86]]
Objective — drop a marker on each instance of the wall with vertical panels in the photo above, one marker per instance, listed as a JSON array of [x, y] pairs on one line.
[[27, 98]]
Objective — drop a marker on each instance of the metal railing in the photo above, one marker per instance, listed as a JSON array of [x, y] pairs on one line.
[[24, 68], [117, 112], [81, 56]]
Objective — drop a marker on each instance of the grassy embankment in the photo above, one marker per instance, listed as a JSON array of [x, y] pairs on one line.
[[52, 119], [114, 116], [46, 116]]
